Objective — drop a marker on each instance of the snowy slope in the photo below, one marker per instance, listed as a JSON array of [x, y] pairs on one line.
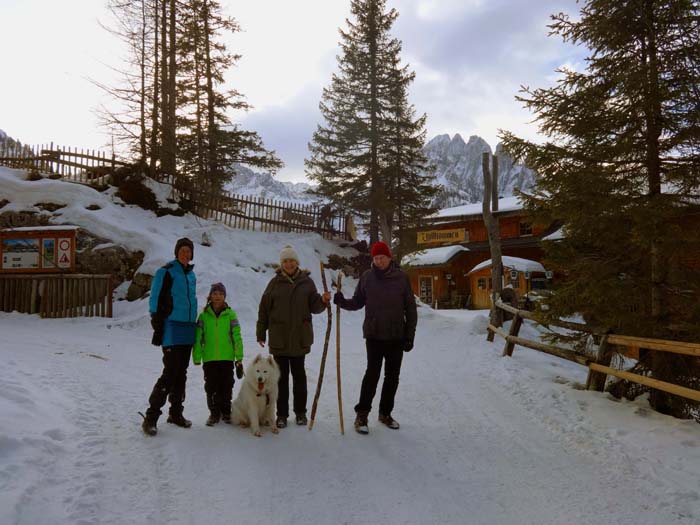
[[484, 439]]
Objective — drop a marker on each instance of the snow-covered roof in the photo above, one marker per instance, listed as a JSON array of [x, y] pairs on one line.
[[513, 263], [506, 204], [433, 256], [555, 236]]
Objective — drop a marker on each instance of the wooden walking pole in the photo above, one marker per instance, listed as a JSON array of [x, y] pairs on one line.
[[325, 352], [337, 361]]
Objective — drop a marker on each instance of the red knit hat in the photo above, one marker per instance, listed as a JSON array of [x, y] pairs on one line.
[[380, 248]]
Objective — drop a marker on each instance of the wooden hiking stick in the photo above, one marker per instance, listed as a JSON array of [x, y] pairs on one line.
[[325, 352], [337, 361]]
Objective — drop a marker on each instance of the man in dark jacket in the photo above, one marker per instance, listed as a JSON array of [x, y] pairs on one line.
[[173, 308], [285, 313], [389, 329]]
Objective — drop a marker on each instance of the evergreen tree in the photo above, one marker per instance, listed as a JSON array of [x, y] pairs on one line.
[[210, 143], [355, 156], [174, 112], [129, 123], [621, 170], [406, 176]]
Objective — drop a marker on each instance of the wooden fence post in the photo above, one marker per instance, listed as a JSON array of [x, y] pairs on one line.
[[514, 330], [596, 380]]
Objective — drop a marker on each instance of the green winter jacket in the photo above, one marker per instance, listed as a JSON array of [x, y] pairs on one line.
[[218, 337], [285, 313]]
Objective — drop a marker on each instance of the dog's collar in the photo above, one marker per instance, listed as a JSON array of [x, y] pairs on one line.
[[267, 397]]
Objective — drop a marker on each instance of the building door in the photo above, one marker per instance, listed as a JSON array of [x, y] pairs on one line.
[[426, 289]]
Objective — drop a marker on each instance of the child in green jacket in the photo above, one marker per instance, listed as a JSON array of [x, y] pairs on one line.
[[219, 345]]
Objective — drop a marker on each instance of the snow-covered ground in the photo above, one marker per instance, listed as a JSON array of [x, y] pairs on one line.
[[483, 439]]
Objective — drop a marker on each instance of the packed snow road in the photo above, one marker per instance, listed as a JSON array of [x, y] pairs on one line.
[[483, 439]]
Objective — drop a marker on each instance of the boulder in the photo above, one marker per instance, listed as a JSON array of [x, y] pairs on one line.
[[139, 287]]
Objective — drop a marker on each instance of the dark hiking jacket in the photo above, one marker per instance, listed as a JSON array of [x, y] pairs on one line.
[[390, 307], [285, 313]]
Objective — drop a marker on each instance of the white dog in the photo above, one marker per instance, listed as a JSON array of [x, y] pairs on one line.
[[256, 401]]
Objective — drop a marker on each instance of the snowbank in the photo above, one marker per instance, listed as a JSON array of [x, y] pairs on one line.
[[483, 439]]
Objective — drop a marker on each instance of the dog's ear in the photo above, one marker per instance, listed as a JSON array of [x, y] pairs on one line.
[[257, 358], [271, 360]]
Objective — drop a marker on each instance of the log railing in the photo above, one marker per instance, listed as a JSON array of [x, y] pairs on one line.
[[59, 295], [599, 365]]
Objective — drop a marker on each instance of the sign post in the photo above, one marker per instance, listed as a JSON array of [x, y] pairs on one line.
[[38, 249]]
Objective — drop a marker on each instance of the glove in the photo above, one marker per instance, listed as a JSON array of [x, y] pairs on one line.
[[338, 298], [408, 345], [157, 325], [157, 339], [239, 370]]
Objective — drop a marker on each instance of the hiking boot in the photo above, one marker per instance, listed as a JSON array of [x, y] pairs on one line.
[[302, 421], [212, 420], [149, 426], [281, 422], [361, 424], [226, 418], [389, 421], [179, 420]]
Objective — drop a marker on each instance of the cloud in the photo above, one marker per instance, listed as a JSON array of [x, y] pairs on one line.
[[472, 57], [288, 129]]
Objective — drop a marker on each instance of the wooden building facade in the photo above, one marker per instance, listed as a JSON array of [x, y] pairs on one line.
[[455, 241]]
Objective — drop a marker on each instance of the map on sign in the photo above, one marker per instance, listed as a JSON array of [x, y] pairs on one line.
[[20, 253]]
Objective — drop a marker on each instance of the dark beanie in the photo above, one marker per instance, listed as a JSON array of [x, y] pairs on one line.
[[217, 287], [184, 242], [380, 248]]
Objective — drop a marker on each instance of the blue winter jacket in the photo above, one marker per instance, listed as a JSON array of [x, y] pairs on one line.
[[174, 300]]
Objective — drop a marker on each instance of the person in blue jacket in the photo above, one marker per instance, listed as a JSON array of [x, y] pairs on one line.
[[173, 308]]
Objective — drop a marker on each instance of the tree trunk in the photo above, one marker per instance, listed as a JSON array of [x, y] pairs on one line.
[[169, 86], [165, 92], [201, 158], [212, 165], [142, 94], [661, 365], [387, 234], [494, 234], [494, 186], [374, 133], [156, 92]]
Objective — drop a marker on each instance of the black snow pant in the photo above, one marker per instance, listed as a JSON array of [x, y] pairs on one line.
[[171, 384], [218, 384], [296, 365], [391, 352]]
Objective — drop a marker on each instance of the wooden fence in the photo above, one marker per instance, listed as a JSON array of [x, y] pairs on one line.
[[599, 365], [59, 295], [266, 215], [82, 166], [238, 211]]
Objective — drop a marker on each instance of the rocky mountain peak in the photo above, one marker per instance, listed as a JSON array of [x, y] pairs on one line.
[[458, 169]]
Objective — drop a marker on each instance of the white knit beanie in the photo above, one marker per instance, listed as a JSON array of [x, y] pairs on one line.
[[288, 253]]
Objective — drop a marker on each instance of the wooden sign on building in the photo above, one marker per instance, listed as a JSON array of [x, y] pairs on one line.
[[38, 249], [453, 236]]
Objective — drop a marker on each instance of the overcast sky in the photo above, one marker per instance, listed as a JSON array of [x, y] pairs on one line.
[[470, 59]]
